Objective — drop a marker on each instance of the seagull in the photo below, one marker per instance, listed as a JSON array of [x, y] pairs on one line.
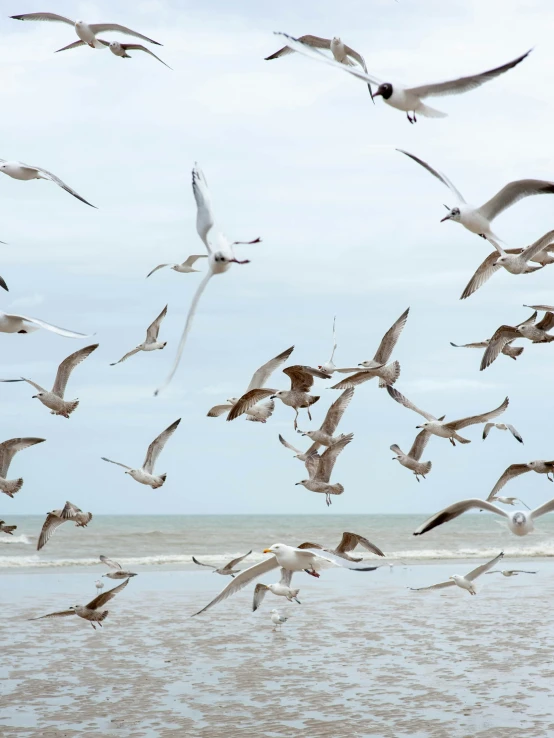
[[515, 470], [11, 323], [511, 572], [151, 342], [329, 366], [220, 255], [229, 569], [407, 99], [348, 543], [90, 612], [57, 517], [465, 582], [298, 454], [99, 585], [411, 460], [508, 350], [502, 426], [320, 469], [18, 170], [438, 427], [534, 332], [55, 398], [86, 31], [478, 220], [289, 558], [325, 435], [513, 260], [118, 572], [282, 589], [342, 54], [8, 450], [301, 381], [145, 475], [119, 49], [9, 529], [185, 268], [520, 523], [378, 367], [508, 501], [261, 411], [277, 619]]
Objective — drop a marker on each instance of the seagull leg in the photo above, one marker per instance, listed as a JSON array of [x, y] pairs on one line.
[[93, 625], [417, 477], [100, 624], [246, 243], [549, 477], [312, 573], [295, 419], [409, 117], [240, 261], [309, 413], [452, 441]]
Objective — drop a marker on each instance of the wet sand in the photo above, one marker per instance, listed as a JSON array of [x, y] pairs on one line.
[[361, 657]]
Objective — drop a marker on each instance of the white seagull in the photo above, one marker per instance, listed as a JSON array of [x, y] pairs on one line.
[[220, 255], [99, 585], [118, 571], [145, 475], [502, 426], [478, 220], [151, 342], [260, 411], [8, 450], [119, 49], [312, 561], [185, 268], [438, 426], [57, 517], [86, 31], [281, 589], [411, 460], [12, 323], [25, 172], [277, 619], [520, 523], [465, 582], [407, 99]]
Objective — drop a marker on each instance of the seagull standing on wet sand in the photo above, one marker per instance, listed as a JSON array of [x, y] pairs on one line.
[[151, 342], [277, 619], [8, 450], [229, 569], [465, 582], [220, 255]]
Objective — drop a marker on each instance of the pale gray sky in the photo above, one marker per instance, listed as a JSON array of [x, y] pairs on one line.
[[296, 153]]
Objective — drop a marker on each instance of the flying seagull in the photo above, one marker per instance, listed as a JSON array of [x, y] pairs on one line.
[[534, 332], [220, 255], [342, 54], [478, 220], [151, 342], [281, 589], [320, 469], [508, 350], [465, 582], [510, 572], [289, 558], [260, 411], [439, 427], [520, 523], [54, 399], [324, 436], [8, 450], [407, 99], [9, 529], [119, 49], [25, 172], [228, 570], [92, 611], [11, 323], [185, 268], [411, 460], [502, 426], [507, 501], [378, 367], [57, 517], [145, 475], [85, 31], [348, 542], [301, 381], [118, 572], [515, 470]]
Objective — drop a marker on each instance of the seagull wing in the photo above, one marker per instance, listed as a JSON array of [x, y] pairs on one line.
[[336, 559], [8, 450], [160, 266], [440, 585], [105, 27], [546, 308], [514, 432], [389, 340], [33, 384], [76, 45], [241, 580], [286, 444], [48, 326], [336, 411], [264, 410], [205, 218], [334, 340], [314, 41], [236, 561], [464, 84], [60, 614], [126, 356], [218, 410], [49, 526], [441, 177], [476, 345], [105, 597], [455, 510], [329, 457], [528, 321], [286, 577], [503, 335], [140, 47], [51, 17], [302, 377], [156, 447], [154, 327], [547, 322], [259, 594], [355, 379], [311, 462], [262, 374], [110, 563], [539, 245], [474, 419], [190, 260], [474, 573], [511, 472], [543, 509], [70, 511], [45, 174], [200, 563], [67, 366], [349, 541], [117, 463], [484, 272], [399, 397], [249, 399], [487, 428], [512, 193], [419, 444]]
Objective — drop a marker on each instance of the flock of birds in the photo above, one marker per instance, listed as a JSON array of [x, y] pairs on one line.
[[257, 402]]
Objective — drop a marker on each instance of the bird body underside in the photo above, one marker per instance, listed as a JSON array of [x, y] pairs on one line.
[[419, 468], [10, 486], [152, 480]]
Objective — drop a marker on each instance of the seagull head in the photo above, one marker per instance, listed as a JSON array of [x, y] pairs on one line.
[[453, 214], [502, 260], [519, 518], [277, 394], [274, 548], [385, 91], [40, 394], [115, 45], [336, 40], [232, 400], [308, 433], [454, 577], [423, 426], [303, 482]]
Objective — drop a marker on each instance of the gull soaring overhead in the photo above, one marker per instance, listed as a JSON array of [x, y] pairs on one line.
[[8, 450], [26, 172], [187, 267], [502, 426], [534, 332], [118, 571], [229, 569], [281, 589], [465, 582], [411, 460], [324, 436], [151, 342], [57, 517], [320, 469], [515, 470], [508, 350], [12, 323]]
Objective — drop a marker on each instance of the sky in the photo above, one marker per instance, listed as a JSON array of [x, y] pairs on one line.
[[295, 153]]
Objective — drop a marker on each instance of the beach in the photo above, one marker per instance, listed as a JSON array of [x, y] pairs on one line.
[[361, 656]]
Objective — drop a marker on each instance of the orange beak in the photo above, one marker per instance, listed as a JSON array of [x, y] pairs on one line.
[[267, 551]]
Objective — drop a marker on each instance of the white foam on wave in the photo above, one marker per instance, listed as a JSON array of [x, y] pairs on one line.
[[15, 539]]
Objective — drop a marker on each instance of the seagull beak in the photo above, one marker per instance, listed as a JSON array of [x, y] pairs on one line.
[[376, 94], [297, 483], [267, 551], [446, 217], [273, 397], [418, 427], [34, 397]]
